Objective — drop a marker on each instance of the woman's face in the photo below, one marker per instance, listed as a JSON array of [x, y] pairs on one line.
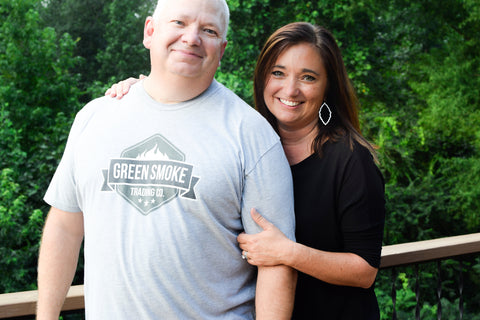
[[295, 87]]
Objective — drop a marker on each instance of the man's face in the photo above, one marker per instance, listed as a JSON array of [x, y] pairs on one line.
[[186, 39]]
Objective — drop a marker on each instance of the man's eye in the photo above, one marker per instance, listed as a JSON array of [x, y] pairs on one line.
[[211, 32]]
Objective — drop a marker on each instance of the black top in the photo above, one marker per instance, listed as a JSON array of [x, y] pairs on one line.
[[339, 207]]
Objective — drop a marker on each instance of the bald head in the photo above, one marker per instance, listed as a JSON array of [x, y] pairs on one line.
[[223, 11]]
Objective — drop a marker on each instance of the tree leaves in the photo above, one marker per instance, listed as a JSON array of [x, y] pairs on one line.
[[36, 89]]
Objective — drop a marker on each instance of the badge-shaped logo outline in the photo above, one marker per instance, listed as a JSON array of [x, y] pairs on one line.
[[150, 174]]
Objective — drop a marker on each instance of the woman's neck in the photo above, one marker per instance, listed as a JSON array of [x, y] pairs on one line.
[[297, 143]]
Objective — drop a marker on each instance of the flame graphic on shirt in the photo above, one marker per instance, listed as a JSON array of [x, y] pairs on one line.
[[153, 154]]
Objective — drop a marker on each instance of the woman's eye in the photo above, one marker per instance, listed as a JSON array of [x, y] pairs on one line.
[[277, 73], [308, 78]]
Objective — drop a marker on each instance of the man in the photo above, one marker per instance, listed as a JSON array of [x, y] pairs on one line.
[[160, 183]]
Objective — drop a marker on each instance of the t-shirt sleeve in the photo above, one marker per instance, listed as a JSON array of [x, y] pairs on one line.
[[61, 192], [362, 206], [269, 189]]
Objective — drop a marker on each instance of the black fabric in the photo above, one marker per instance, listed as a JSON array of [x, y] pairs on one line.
[[339, 207]]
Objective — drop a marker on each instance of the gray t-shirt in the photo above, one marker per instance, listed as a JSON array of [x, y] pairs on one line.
[[165, 190]]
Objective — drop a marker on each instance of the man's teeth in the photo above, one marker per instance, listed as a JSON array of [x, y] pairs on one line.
[[290, 103]]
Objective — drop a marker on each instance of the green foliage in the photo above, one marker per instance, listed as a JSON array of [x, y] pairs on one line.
[[10, 151], [406, 290], [265, 16], [38, 99], [36, 88], [405, 299], [109, 38], [21, 229], [85, 21], [123, 38], [431, 163]]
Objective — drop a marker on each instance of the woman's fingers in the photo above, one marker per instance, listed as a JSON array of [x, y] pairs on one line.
[[121, 88], [259, 219]]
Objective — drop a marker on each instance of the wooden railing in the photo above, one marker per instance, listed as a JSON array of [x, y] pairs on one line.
[[429, 250], [19, 304], [410, 256]]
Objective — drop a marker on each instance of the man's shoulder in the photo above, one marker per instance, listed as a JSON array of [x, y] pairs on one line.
[[237, 105], [100, 107], [220, 89], [107, 104], [97, 103]]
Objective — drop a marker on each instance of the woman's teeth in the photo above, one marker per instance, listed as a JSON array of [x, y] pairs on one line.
[[290, 103]]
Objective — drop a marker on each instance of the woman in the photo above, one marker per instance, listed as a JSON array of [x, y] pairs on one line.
[[301, 87]]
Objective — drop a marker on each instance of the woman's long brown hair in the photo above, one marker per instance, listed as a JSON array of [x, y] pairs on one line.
[[339, 94]]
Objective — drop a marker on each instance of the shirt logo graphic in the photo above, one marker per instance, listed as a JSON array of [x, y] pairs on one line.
[[150, 174]]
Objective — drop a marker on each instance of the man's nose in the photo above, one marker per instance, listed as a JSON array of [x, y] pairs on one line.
[[191, 36]]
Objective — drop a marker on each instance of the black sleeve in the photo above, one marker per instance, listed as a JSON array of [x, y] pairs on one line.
[[362, 206]]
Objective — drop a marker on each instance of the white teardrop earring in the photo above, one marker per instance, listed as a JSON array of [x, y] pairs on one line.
[[325, 105]]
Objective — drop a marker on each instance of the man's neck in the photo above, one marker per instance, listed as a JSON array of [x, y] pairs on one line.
[[175, 90]]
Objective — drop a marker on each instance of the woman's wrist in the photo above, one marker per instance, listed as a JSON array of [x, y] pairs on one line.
[[288, 258]]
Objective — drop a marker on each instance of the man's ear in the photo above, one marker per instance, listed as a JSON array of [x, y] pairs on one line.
[[224, 45], [148, 32]]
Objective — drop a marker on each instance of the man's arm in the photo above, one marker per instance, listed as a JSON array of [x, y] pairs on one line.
[[59, 250], [275, 292], [269, 189]]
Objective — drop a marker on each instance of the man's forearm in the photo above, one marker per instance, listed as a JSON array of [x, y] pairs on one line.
[[275, 292], [56, 267]]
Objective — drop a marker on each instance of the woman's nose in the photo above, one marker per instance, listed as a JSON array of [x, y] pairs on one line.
[[291, 87]]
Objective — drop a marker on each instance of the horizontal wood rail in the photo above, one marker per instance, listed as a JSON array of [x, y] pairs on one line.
[[20, 304], [428, 250]]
